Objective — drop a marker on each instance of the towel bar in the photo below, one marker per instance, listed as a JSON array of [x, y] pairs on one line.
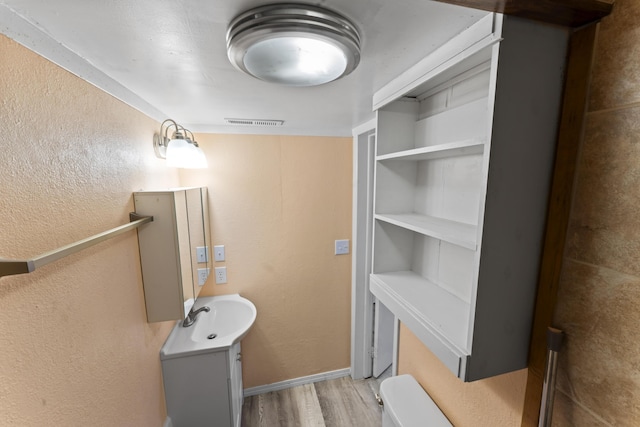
[[10, 267]]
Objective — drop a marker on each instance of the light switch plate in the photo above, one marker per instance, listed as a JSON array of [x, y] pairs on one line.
[[342, 247], [202, 253], [218, 252]]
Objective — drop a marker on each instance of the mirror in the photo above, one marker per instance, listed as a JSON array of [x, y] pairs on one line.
[[175, 250], [199, 236]]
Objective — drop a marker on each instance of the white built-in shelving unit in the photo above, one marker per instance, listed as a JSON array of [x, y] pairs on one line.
[[465, 144]]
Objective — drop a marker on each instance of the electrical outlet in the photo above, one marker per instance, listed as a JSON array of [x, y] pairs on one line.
[[221, 275], [202, 253], [218, 252], [342, 247], [203, 274]]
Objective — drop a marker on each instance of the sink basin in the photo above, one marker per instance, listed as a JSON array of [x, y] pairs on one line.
[[228, 321]]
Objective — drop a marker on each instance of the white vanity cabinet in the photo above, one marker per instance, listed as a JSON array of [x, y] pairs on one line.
[[465, 145], [236, 390], [204, 389]]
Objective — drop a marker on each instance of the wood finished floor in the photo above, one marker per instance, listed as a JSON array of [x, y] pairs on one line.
[[342, 402]]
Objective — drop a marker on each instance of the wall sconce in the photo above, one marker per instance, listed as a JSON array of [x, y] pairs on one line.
[[180, 151], [293, 44]]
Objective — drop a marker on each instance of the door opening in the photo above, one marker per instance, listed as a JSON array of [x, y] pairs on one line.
[[372, 325]]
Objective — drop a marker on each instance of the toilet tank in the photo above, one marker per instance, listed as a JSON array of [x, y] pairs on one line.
[[406, 404]]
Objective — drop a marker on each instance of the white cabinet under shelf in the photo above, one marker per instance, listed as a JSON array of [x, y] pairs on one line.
[[464, 153]]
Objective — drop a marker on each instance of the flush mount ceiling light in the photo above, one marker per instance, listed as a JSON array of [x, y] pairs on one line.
[[180, 151], [293, 44]]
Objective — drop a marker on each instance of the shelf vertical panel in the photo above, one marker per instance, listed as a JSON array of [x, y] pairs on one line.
[[392, 249], [395, 127], [527, 81], [446, 126], [395, 186], [449, 188]]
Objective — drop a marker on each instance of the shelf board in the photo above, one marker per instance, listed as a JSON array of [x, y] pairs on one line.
[[439, 317], [454, 232], [440, 151]]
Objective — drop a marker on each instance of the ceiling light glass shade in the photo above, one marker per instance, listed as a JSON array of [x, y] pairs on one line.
[[298, 61], [293, 44]]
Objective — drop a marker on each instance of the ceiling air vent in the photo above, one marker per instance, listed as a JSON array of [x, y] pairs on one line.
[[254, 122]]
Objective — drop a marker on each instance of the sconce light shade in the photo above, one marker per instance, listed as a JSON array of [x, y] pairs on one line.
[[198, 159], [179, 151], [293, 44], [182, 154]]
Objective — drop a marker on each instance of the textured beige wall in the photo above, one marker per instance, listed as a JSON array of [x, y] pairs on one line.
[[75, 348], [493, 402], [599, 296], [277, 204]]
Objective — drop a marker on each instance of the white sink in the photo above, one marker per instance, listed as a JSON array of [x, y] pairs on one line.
[[228, 321]]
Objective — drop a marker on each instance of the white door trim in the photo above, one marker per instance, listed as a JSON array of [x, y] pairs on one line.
[[361, 298]]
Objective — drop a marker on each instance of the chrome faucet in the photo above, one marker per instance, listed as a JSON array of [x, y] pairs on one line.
[[191, 317]]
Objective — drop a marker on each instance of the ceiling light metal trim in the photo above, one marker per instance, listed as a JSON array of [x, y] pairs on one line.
[[289, 20]]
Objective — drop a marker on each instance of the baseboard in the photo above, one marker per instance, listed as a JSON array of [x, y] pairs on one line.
[[331, 375]]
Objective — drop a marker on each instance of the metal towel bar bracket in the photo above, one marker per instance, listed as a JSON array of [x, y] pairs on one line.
[[10, 267]]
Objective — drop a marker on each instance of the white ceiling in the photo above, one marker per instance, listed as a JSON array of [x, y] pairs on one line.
[[168, 57]]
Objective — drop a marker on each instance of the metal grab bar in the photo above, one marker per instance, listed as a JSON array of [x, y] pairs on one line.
[[554, 342], [10, 267]]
